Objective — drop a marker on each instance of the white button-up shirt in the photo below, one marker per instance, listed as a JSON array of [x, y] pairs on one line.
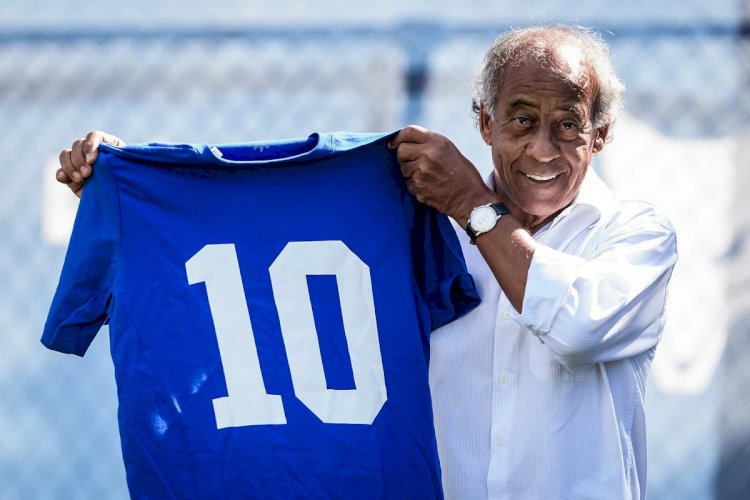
[[549, 404]]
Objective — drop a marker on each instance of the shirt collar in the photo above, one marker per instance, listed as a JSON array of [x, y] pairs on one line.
[[593, 200]]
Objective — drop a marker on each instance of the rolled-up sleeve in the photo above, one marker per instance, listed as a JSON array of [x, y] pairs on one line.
[[608, 302]]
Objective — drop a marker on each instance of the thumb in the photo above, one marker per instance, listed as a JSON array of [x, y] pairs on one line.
[[94, 139]]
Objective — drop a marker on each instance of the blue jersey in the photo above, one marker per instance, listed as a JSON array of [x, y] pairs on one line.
[[269, 309]]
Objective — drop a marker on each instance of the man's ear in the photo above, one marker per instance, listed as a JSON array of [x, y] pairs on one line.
[[601, 138], [485, 125]]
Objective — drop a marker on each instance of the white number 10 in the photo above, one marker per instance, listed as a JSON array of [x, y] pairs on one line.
[[247, 402]]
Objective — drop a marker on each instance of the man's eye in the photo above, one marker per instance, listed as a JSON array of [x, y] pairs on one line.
[[568, 125], [522, 120]]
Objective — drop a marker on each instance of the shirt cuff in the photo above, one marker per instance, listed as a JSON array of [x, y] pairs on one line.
[[551, 276]]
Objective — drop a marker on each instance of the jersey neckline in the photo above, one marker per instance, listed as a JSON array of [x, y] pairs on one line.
[[313, 147]]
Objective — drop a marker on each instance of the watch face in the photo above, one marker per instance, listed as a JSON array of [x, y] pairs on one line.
[[483, 219]]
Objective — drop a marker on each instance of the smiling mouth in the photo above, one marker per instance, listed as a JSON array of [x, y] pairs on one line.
[[541, 178]]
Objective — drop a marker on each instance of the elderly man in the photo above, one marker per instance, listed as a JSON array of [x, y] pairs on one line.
[[539, 392]]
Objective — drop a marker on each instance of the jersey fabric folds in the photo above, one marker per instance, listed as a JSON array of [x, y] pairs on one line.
[[269, 308]]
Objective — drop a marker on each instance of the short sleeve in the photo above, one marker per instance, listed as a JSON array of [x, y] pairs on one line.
[[439, 267], [79, 306]]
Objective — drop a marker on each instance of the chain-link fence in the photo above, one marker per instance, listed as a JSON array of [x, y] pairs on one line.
[[205, 78]]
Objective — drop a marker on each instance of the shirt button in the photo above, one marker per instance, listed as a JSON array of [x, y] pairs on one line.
[[499, 442], [506, 315], [504, 378]]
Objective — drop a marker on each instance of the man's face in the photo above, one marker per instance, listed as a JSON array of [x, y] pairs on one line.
[[541, 134]]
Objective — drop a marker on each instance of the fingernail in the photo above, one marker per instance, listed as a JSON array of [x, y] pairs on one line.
[[90, 158], [85, 170], [77, 177]]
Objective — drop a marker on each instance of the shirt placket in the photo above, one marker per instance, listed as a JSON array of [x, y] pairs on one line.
[[504, 389]]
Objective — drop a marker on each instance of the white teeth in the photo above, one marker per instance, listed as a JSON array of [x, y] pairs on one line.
[[541, 177]]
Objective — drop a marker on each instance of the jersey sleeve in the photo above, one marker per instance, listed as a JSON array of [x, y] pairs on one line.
[[444, 283], [79, 307]]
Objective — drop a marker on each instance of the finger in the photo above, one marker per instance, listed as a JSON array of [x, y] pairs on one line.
[[90, 148], [408, 168], [76, 154], [412, 188], [91, 144], [62, 177], [80, 159], [93, 140], [410, 185], [77, 159], [112, 140], [410, 133], [409, 151], [76, 187], [68, 168]]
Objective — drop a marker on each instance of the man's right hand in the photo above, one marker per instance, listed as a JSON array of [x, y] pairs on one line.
[[76, 163]]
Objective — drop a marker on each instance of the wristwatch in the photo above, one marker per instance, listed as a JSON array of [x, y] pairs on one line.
[[483, 218]]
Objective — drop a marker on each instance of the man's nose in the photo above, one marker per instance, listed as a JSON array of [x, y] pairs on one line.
[[543, 147]]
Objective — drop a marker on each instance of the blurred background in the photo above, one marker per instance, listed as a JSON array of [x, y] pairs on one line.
[[231, 70]]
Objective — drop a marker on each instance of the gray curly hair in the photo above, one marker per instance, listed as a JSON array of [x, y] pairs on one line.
[[533, 43]]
